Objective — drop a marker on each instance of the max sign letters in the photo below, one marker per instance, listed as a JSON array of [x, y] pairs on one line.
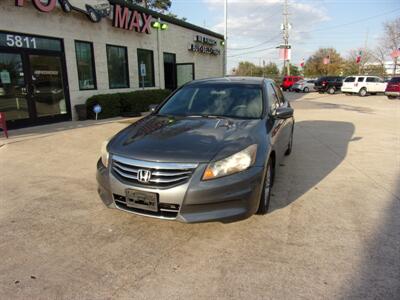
[[125, 18]]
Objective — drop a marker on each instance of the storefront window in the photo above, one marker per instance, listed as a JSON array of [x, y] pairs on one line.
[[117, 60], [146, 68], [86, 68]]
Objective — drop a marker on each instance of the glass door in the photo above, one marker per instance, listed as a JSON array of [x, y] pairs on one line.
[[47, 85], [184, 73], [170, 71], [13, 87]]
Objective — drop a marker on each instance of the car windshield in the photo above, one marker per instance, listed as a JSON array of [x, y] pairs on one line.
[[395, 80], [219, 100]]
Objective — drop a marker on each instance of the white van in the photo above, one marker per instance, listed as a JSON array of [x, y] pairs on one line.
[[363, 85], [94, 9]]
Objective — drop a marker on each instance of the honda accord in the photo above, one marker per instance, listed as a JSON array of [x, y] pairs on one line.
[[209, 152]]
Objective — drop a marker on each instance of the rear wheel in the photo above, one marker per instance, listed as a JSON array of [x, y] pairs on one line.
[[306, 90], [363, 92], [331, 90], [266, 192]]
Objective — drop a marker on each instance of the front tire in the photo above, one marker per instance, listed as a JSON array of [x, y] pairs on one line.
[[93, 16], [290, 145], [363, 92], [266, 192], [306, 90], [66, 7], [331, 90]]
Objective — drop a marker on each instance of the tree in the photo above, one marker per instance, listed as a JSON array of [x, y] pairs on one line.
[[315, 66], [159, 5], [294, 70], [391, 39], [246, 68]]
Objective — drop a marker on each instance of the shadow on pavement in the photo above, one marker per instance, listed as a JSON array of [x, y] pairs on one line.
[[325, 105], [377, 276], [319, 147]]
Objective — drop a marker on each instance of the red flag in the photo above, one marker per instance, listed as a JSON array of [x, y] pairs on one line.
[[358, 59], [327, 60], [302, 63]]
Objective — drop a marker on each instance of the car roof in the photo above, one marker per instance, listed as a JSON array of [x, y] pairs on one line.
[[231, 80]]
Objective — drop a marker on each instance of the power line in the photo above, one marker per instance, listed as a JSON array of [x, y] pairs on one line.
[[273, 47], [255, 46]]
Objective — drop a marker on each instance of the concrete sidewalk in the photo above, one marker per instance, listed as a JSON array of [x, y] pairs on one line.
[[333, 231]]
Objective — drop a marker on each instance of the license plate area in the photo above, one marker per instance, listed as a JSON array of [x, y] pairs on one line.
[[142, 200]]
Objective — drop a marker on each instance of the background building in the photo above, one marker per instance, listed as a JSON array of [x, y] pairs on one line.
[[57, 54]]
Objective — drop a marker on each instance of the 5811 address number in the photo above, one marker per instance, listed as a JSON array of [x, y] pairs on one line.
[[20, 41]]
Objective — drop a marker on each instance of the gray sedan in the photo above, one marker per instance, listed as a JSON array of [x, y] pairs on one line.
[[209, 152], [304, 86]]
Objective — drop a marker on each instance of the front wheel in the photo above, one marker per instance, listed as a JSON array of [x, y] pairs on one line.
[[93, 16], [266, 192], [331, 90], [363, 92], [306, 90], [66, 7], [290, 145]]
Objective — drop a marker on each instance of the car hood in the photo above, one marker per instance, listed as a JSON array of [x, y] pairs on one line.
[[184, 139]]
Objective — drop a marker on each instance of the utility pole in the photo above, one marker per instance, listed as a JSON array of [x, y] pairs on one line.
[[286, 62], [362, 62], [226, 38]]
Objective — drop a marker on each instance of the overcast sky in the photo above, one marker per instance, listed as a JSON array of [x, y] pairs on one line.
[[342, 24]]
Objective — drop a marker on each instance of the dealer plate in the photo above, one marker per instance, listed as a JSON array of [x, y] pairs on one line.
[[142, 200]]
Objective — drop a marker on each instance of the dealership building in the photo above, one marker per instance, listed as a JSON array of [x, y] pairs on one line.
[[55, 54]]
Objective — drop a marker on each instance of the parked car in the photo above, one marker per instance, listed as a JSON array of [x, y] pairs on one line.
[[289, 81], [305, 86], [94, 9], [393, 88], [209, 152], [363, 85], [329, 84]]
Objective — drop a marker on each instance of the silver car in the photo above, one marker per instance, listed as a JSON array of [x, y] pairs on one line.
[[305, 86], [209, 152]]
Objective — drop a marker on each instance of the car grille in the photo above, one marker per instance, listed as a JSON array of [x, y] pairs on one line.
[[167, 211], [162, 175]]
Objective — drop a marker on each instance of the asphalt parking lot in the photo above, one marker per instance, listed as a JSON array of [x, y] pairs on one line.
[[333, 231]]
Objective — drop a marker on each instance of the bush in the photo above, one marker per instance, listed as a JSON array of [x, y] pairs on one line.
[[114, 105]]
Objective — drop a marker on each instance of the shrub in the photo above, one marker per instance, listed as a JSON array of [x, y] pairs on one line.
[[114, 105]]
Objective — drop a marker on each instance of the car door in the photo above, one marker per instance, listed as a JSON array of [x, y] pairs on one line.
[[381, 85], [370, 84], [273, 124]]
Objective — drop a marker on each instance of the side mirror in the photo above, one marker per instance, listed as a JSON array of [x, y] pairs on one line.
[[153, 107], [284, 113]]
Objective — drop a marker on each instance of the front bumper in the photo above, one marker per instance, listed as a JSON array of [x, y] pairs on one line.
[[391, 93], [225, 199]]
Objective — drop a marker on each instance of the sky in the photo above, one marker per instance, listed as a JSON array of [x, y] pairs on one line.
[[343, 24]]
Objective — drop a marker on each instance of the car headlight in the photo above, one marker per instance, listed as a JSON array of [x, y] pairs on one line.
[[235, 163], [104, 153]]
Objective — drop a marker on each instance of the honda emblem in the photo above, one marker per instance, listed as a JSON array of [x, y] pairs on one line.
[[143, 176]]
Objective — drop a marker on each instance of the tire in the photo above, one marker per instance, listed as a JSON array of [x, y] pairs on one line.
[[373, 94], [266, 189], [306, 90], [362, 92], [66, 7], [290, 145], [331, 90], [391, 97], [93, 16]]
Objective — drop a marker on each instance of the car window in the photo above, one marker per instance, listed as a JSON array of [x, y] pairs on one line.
[[350, 79], [279, 94], [225, 100], [380, 80], [360, 79], [311, 81], [272, 98], [370, 79], [395, 80]]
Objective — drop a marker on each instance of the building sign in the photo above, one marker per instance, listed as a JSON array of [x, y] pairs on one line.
[[128, 19], [13, 40], [95, 10], [205, 45]]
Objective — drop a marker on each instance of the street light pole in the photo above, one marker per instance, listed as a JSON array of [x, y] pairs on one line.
[[226, 38]]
